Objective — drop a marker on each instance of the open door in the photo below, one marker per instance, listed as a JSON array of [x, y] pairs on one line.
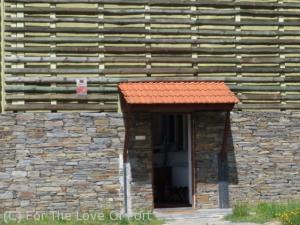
[[172, 179]]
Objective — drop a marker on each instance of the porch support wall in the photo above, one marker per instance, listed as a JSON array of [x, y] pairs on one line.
[[140, 160], [208, 137]]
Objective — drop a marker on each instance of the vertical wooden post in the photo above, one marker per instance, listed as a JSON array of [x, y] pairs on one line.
[[100, 45], [148, 36], [53, 65], [238, 18], [281, 28], [194, 27], [2, 54], [19, 65]]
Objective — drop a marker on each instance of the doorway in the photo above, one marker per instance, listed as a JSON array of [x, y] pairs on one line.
[[172, 167]]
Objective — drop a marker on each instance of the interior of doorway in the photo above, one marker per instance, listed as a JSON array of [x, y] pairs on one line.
[[171, 161]]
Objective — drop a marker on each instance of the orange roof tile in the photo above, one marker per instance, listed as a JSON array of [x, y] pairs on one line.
[[185, 92]]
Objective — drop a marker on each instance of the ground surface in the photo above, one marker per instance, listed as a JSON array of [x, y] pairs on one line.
[[195, 217]]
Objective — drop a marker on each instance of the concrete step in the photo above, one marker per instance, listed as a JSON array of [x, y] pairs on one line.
[[190, 213]]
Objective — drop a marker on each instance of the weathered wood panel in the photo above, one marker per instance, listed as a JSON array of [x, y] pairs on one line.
[[2, 17], [251, 45]]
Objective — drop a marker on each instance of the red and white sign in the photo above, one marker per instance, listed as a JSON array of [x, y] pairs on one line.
[[81, 86]]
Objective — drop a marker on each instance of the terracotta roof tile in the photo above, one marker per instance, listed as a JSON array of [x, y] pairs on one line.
[[186, 92]]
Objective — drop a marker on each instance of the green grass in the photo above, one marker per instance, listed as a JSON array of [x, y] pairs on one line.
[[87, 219], [291, 217], [262, 212]]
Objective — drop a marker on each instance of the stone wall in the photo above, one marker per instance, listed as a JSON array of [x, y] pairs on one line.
[[208, 130], [263, 156], [140, 160], [73, 161], [67, 162]]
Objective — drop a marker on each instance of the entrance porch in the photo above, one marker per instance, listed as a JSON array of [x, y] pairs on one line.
[[176, 154]]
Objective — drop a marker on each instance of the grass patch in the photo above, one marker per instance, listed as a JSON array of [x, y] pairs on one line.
[[290, 218], [262, 212], [86, 219]]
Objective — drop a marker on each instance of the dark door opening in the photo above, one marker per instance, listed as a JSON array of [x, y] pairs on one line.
[[171, 161]]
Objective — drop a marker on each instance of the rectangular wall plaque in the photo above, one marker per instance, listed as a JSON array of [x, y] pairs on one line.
[[140, 138]]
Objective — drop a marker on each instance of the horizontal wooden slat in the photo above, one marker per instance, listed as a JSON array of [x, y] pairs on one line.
[[119, 40], [174, 59], [134, 59], [214, 3], [264, 88], [44, 106], [160, 70], [228, 22], [61, 97], [269, 106], [268, 97], [61, 80], [41, 89], [69, 106], [173, 3], [155, 50], [101, 80], [166, 31], [93, 11]]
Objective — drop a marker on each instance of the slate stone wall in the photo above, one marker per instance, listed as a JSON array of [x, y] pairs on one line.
[[263, 156], [208, 130], [72, 162], [61, 162], [140, 160]]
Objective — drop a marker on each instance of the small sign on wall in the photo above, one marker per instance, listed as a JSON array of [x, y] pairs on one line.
[[81, 86], [140, 138]]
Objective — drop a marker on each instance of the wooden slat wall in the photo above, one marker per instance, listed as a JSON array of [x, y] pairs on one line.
[[252, 45], [1, 51]]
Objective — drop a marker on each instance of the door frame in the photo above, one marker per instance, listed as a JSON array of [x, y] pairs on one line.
[[190, 158], [191, 164]]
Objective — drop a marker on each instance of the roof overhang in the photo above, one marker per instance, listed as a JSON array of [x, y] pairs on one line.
[[179, 96]]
